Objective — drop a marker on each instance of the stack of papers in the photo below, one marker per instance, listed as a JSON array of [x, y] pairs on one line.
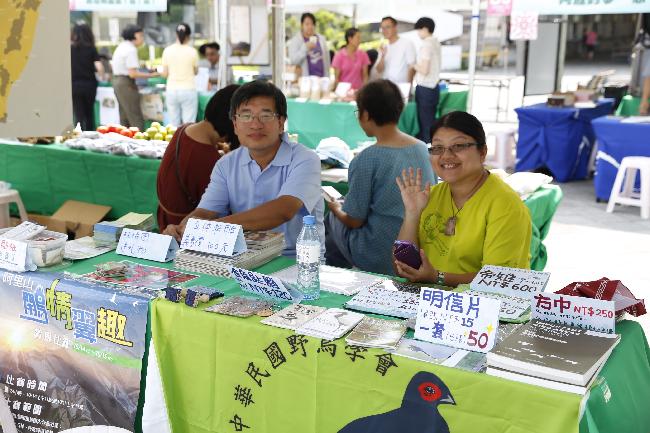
[[379, 333], [331, 324], [380, 300], [107, 233], [262, 248], [83, 248], [332, 279], [240, 306], [293, 316]]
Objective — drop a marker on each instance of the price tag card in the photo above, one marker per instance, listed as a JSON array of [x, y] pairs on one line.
[[457, 319], [213, 237], [520, 283], [14, 256], [147, 245], [263, 285], [23, 231], [586, 313]]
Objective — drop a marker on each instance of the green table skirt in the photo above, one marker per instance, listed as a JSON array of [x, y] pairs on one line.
[[629, 106]]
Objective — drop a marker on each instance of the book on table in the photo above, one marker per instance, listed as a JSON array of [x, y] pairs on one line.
[[553, 352]]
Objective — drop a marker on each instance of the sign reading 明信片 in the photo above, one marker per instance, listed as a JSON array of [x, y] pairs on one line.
[[68, 342], [213, 237], [587, 313], [457, 319]]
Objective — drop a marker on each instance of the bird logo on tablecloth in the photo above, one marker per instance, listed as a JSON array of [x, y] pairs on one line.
[[417, 414]]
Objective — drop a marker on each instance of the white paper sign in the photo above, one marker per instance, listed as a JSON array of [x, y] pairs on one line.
[[587, 313], [23, 231], [457, 319], [147, 245], [262, 285], [511, 307], [14, 256], [520, 283], [213, 237], [523, 25]]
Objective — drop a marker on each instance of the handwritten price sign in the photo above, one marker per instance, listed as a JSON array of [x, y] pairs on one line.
[[260, 284], [14, 256], [520, 283], [213, 237], [457, 319], [587, 313]]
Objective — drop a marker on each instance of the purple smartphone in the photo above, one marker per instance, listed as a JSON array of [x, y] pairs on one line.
[[406, 252]]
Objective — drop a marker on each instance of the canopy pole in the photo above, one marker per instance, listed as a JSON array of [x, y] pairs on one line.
[[278, 43], [222, 18], [473, 44]]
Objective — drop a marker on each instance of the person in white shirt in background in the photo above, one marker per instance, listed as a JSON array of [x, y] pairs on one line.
[[308, 49], [397, 57], [210, 52], [180, 64], [427, 74], [125, 65]]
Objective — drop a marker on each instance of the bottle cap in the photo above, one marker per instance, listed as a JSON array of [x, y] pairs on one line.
[[309, 220]]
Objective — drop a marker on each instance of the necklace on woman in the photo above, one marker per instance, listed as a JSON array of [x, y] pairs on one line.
[[450, 226]]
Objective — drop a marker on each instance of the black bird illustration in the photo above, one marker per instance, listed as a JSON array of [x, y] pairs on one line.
[[417, 414]]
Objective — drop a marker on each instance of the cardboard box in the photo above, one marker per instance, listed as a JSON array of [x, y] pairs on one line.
[[75, 218]]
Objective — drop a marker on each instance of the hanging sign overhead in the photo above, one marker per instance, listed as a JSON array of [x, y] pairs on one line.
[[581, 7], [499, 7], [523, 26], [119, 5]]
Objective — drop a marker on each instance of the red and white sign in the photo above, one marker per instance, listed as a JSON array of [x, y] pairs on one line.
[[499, 7], [523, 26], [587, 313]]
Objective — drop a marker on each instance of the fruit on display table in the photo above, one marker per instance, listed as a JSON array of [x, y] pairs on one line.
[[155, 132]]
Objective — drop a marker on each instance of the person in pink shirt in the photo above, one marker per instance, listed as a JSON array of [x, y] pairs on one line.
[[350, 63]]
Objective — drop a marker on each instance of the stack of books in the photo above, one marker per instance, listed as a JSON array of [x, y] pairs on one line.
[[552, 355], [263, 246], [107, 233]]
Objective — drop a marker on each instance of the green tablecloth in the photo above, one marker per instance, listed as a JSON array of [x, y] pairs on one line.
[[313, 121], [210, 363], [48, 175], [629, 106]]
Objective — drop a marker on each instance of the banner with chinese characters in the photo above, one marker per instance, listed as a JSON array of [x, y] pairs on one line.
[[228, 374], [70, 352]]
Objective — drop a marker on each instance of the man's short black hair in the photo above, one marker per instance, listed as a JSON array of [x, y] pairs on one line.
[[382, 100], [259, 88], [129, 32], [308, 15], [217, 112], [204, 47], [425, 22], [391, 19]]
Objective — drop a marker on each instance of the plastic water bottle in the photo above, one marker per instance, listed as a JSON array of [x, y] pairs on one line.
[[308, 258]]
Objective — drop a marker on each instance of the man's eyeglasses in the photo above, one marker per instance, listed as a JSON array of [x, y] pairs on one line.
[[262, 117], [454, 148]]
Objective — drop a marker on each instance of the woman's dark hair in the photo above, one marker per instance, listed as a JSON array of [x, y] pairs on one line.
[[129, 32], [259, 88], [183, 32], [425, 23], [382, 100], [204, 47], [217, 113], [463, 122], [350, 33], [82, 35], [372, 55], [306, 15]]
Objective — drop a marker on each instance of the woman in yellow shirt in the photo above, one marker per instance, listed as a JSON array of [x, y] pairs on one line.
[[470, 219]]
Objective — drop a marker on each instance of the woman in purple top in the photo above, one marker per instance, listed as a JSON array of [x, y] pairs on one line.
[[308, 49], [350, 63]]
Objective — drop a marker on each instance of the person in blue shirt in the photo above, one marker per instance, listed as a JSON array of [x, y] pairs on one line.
[[268, 183], [361, 232]]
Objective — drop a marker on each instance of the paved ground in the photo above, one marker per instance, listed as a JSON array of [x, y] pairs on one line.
[[584, 243]]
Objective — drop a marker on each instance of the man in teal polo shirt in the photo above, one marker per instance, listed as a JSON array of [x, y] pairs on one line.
[[269, 183]]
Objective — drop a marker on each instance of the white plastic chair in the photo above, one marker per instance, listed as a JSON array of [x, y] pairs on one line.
[[626, 178], [6, 198]]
